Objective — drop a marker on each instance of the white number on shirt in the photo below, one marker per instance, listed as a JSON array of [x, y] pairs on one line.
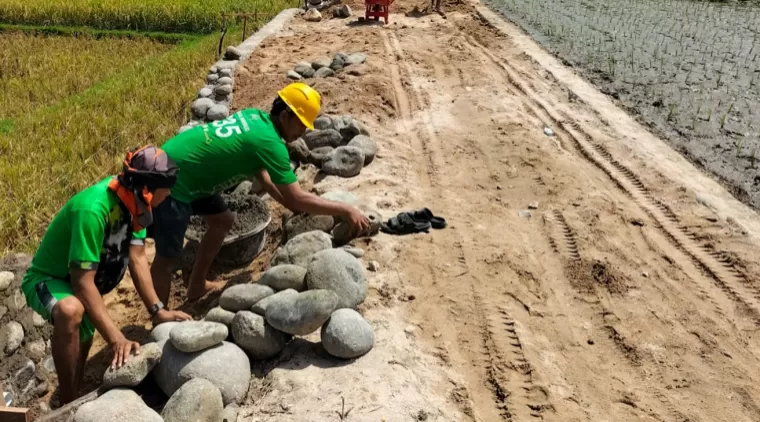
[[225, 128]]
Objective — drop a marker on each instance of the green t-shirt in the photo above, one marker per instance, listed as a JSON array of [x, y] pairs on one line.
[[92, 231], [218, 155]]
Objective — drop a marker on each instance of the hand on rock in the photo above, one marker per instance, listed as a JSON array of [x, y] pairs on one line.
[[121, 351], [165, 315], [358, 220]]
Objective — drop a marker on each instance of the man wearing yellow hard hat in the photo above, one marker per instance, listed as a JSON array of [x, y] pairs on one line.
[[221, 154]]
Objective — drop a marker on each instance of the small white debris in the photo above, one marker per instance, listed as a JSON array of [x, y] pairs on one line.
[[548, 131]]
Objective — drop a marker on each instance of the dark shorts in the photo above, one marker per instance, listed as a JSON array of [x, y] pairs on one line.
[[171, 218]]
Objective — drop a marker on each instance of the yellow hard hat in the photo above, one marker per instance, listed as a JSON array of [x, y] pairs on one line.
[[304, 100]]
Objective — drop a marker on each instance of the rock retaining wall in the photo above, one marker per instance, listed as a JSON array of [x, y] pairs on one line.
[[215, 99]]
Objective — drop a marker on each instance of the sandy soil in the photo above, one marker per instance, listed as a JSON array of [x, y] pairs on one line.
[[582, 276]]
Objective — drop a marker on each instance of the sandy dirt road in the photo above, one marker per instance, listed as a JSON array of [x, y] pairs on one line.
[[585, 276]]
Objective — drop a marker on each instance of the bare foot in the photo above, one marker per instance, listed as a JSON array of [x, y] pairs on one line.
[[194, 293]]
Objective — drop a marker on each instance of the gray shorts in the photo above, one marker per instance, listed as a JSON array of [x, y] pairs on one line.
[[171, 218]]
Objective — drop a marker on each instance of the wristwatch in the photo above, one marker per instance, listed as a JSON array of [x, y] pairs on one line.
[[153, 310]]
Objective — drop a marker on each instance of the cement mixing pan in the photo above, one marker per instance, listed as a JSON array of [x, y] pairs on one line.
[[239, 249], [248, 235]]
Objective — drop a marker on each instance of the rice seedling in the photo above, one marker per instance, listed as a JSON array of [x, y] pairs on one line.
[[738, 145]]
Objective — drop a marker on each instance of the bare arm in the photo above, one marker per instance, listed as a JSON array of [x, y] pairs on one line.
[[140, 272], [139, 269], [297, 200], [263, 178]]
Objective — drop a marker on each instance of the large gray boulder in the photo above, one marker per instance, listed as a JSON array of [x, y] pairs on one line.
[[225, 365], [200, 107], [11, 337], [323, 122], [351, 129], [232, 53], [198, 400], [321, 62], [299, 249], [303, 223], [217, 112], [120, 404], [344, 232], [302, 314], [322, 138], [223, 90], [285, 276], [230, 413], [225, 80], [312, 15], [318, 155], [261, 306], [135, 369], [367, 145], [324, 72], [356, 58], [259, 339], [344, 162], [299, 150], [36, 350], [337, 62], [242, 296], [161, 331], [220, 315], [194, 336], [15, 300], [337, 270], [347, 335], [6, 278], [304, 69]]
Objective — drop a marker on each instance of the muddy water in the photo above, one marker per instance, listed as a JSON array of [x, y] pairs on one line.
[[690, 70]]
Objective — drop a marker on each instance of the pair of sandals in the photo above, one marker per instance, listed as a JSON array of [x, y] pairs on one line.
[[410, 222]]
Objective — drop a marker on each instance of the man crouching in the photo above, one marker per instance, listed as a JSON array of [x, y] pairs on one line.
[[84, 255]]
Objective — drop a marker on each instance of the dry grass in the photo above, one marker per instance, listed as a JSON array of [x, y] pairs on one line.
[[56, 151], [40, 70], [189, 16]]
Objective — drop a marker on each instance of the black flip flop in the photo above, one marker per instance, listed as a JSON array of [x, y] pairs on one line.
[[404, 224], [425, 214]]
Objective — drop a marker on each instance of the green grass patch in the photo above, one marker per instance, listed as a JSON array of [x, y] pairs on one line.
[[58, 150], [38, 70], [184, 16]]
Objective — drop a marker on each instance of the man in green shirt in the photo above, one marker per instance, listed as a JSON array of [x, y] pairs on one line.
[[219, 155], [84, 255]]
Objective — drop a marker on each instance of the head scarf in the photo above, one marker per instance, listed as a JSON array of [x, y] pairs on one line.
[[143, 171]]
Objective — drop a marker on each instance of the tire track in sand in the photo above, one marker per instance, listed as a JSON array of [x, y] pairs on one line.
[[404, 108], [720, 270], [507, 371]]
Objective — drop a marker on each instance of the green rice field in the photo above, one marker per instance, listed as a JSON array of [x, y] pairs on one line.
[[84, 81]]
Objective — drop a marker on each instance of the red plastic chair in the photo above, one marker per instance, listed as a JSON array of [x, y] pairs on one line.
[[377, 9]]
